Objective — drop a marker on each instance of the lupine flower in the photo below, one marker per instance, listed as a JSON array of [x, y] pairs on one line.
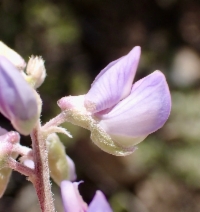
[[127, 112], [17, 98], [73, 202]]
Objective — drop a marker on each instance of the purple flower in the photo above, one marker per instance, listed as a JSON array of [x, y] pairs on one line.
[[17, 98], [127, 112], [99, 203], [73, 202]]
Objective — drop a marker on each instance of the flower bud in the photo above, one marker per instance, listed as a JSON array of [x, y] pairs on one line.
[[13, 56], [61, 167], [36, 71], [7, 142], [17, 99]]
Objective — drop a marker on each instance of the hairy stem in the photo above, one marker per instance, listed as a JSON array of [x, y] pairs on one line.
[[56, 121], [42, 180], [13, 164]]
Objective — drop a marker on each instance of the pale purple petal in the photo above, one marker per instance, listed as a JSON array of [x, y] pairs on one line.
[[2, 131], [99, 203], [105, 69], [144, 111], [113, 83], [27, 162], [12, 56], [72, 170], [72, 201], [17, 99]]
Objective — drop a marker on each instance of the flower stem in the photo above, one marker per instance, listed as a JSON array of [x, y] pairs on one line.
[[13, 164], [42, 181], [56, 121]]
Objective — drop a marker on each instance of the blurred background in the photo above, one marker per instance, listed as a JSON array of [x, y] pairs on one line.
[[79, 38]]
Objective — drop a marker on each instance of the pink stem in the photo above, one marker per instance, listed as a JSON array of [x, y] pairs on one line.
[[13, 164], [42, 180], [59, 119]]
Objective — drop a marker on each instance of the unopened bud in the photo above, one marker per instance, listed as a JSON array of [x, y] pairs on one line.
[[36, 71], [7, 142], [17, 98], [13, 56], [61, 167]]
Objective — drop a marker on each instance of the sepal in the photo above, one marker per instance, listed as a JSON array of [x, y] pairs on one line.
[[81, 117]]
